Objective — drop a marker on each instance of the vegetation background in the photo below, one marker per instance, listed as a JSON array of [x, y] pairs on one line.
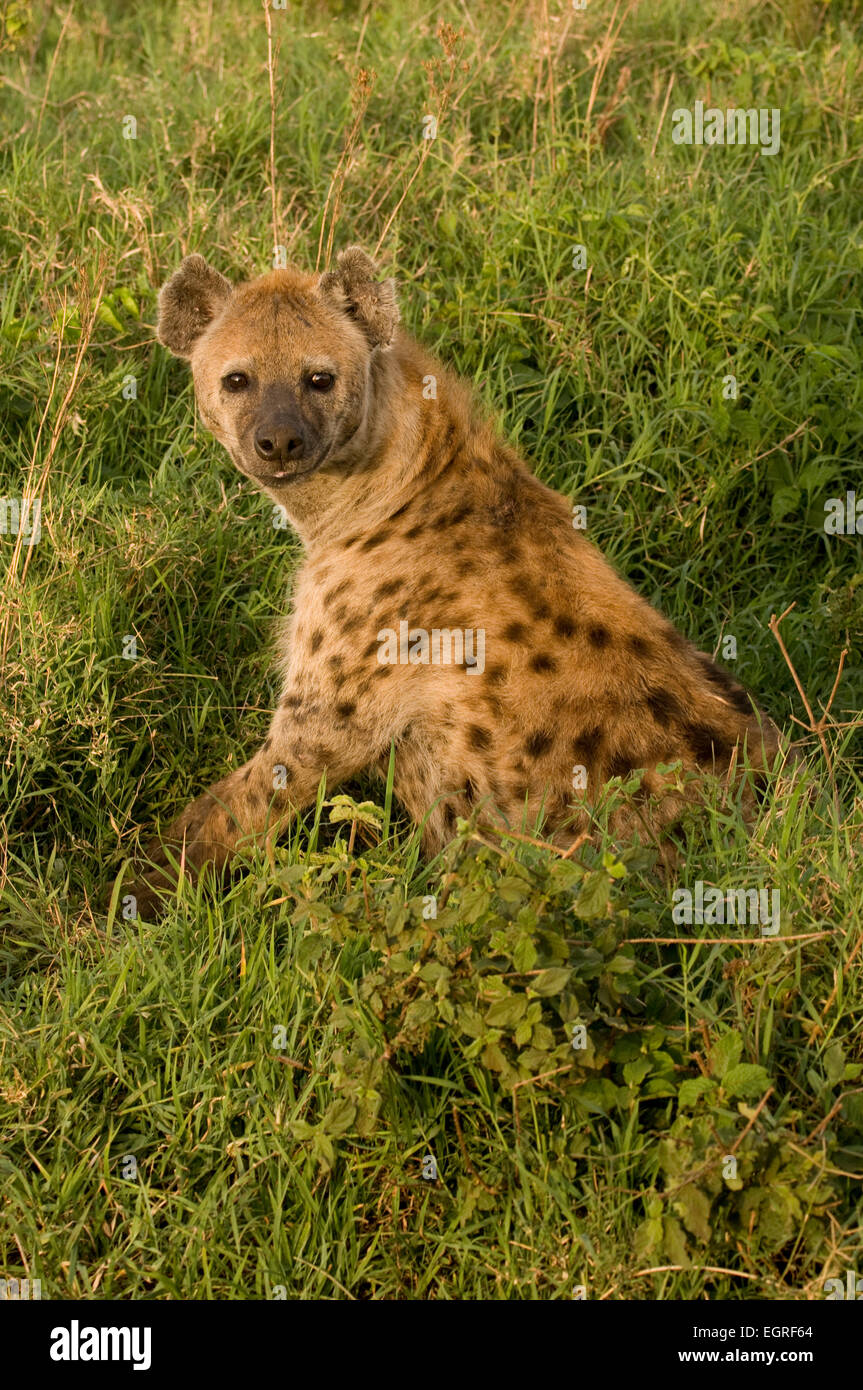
[[284, 1061]]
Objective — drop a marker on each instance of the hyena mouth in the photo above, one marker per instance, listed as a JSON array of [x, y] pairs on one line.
[[290, 475], [280, 477], [283, 476]]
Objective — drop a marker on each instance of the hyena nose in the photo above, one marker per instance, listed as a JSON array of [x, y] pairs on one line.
[[278, 443]]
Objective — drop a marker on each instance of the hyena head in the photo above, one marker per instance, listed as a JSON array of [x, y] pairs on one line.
[[282, 365]]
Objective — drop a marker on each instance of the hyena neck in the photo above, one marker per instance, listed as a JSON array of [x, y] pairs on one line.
[[387, 460]]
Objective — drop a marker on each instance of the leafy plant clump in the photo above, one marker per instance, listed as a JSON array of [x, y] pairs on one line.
[[520, 966]]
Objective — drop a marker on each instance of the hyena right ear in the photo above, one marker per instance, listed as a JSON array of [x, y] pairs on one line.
[[188, 303], [371, 302]]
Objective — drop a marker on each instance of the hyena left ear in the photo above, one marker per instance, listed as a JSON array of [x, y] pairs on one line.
[[188, 303], [354, 286]]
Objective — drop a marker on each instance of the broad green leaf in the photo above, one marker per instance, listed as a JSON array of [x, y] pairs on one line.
[[551, 981], [592, 901], [725, 1053], [693, 1205], [635, 1072], [692, 1089], [506, 1013], [746, 1080], [339, 1116], [310, 950]]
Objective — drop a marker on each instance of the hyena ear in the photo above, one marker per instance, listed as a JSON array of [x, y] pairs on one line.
[[354, 286], [188, 302]]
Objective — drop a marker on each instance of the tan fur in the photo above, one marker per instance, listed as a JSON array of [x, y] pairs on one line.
[[411, 508]]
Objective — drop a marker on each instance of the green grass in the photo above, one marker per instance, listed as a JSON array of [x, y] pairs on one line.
[[157, 1041]]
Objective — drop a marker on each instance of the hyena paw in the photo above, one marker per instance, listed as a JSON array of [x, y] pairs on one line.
[[147, 898], [144, 892], [198, 838]]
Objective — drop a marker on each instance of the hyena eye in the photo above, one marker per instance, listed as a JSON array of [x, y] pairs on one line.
[[321, 381], [235, 381]]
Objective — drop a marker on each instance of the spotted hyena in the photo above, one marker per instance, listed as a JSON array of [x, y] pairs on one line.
[[446, 604]]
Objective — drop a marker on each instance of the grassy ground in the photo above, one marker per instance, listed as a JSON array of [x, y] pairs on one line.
[[270, 1058]]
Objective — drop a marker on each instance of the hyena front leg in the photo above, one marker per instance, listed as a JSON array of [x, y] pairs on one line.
[[250, 806]]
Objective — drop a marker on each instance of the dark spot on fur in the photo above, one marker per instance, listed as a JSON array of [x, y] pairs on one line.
[[377, 539], [506, 546], [292, 701], [415, 530], [598, 636], [542, 663], [337, 661], [639, 646], [524, 588], [495, 675], [317, 639], [352, 540], [471, 792], [538, 743], [515, 632], [371, 648], [621, 764], [726, 685], [585, 748], [386, 590], [267, 745], [345, 709], [564, 626], [336, 590], [664, 706], [707, 744], [478, 737]]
